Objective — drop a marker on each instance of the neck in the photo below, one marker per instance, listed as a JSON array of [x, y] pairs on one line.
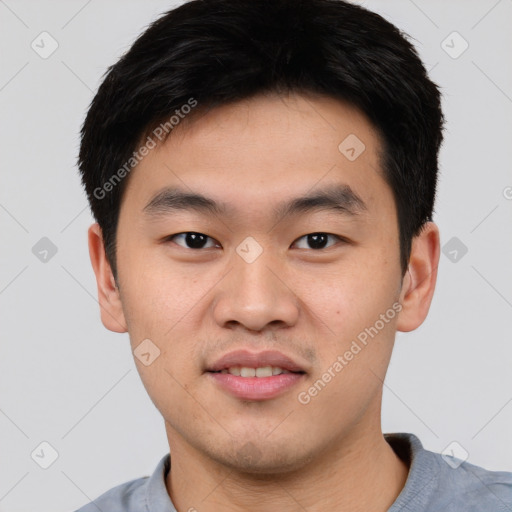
[[359, 473]]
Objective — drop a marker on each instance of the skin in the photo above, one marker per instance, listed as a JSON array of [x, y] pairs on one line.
[[198, 304]]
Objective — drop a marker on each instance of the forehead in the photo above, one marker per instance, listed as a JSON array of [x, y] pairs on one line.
[[264, 149]]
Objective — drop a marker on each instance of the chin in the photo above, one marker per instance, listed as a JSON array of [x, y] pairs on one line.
[[262, 459]]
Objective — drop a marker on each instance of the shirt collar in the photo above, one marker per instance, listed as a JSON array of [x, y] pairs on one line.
[[420, 484]]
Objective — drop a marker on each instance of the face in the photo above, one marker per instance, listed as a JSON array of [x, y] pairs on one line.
[[292, 251]]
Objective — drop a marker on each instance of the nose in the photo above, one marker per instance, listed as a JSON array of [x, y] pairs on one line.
[[256, 295]]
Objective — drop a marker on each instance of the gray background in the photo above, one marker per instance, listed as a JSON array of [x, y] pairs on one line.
[[66, 380]]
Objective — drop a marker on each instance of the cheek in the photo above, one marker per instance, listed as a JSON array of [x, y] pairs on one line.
[[155, 292], [166, 307], [348, 296], [354, 342]]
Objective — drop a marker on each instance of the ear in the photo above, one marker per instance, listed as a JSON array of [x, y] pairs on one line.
[[112, 315], [420, 279]]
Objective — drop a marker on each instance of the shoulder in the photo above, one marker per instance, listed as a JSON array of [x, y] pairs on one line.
[[440, 482], [138, 495], [126, 497], [473, 487]]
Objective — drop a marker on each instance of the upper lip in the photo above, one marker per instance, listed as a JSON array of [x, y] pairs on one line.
[[255, 360]]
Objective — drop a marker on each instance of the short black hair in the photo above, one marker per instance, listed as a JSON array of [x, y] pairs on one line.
[[214, 52]]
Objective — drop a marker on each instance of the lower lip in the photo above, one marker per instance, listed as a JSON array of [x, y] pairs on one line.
[[256, 388]]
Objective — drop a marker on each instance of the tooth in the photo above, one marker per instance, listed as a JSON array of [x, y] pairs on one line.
[[247, 372], [266, 371], [263, 371]]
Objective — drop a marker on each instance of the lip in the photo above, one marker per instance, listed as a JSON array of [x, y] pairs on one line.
[[256, 388], [255, 360]]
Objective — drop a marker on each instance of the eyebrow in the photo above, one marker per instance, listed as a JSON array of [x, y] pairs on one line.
[[340, 199]]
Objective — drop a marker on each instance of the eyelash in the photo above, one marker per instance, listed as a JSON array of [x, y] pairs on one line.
[[171, 237]]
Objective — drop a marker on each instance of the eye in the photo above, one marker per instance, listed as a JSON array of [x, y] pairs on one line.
[[317, 240], [191, 240]]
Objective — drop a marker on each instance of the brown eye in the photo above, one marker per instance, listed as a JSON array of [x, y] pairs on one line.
[[317, 241], [191, 240]]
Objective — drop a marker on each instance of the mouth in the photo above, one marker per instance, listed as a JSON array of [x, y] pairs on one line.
[[255, 376], [246, 361], [260, 372]]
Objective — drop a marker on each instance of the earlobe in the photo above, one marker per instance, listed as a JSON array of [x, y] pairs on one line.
[[112, 315], [420, 279]]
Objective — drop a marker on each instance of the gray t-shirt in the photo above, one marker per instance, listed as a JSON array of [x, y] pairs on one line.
[[434, 484]]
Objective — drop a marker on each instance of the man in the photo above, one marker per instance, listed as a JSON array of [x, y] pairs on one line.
[[263, 175]]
